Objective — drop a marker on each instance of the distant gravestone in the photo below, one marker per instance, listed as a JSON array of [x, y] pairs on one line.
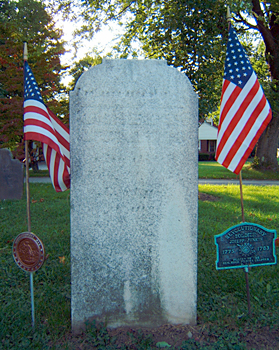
[[134, 195], [11, 176]]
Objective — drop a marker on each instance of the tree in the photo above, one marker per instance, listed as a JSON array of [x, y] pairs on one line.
[[26, 20], [192, 35], [266, 22], [81, 66]]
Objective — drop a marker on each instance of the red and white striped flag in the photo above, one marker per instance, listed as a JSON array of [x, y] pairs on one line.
[[244, 112], [40, 124]]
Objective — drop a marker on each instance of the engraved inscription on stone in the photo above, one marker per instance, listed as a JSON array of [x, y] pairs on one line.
[[245, 245], [11, 176], [28, 251], [134, 195]]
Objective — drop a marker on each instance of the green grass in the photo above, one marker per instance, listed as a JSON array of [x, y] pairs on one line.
[[222, 294], [209, 170], [39, 173], [50, 212], [213, 170], [222, 307]]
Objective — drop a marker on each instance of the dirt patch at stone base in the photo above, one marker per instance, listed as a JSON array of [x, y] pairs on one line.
[[263, 338], [201, 336], [207, 197]]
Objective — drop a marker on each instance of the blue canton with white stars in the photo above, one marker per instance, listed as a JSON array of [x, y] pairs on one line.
[[31, 89], [237, 67]]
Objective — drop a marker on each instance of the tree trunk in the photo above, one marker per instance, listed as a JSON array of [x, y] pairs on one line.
[[266, 150], [268, 25]]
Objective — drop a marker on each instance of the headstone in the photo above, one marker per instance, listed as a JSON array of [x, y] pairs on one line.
[[11, 176], [134, 195]]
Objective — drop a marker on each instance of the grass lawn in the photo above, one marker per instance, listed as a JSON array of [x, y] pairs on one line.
[[222, 307], [40, 173], [213, 170], [209, 170]]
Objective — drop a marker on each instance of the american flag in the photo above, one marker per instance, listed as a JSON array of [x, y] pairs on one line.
[[244, 112], [40, 124]]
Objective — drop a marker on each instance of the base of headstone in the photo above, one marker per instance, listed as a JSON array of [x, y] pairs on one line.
[[134, 195]]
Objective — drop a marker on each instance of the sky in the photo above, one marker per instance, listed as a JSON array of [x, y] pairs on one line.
[[103, 41]]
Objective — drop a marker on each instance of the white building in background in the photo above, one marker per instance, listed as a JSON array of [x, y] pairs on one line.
[[207, 138]]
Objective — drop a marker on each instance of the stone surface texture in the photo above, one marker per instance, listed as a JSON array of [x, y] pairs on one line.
[[11, 176], [134, 195]]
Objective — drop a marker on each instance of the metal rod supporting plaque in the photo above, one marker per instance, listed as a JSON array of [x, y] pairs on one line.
[[32, 299], [246, 270], [29, 255]]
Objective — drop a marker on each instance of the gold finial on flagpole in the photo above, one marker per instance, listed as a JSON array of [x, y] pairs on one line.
[[229, 17], [25, 52]]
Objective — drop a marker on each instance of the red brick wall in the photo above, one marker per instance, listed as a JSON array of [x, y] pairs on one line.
[[204, 144]]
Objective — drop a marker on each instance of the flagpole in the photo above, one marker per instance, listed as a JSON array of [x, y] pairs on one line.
[[241, 196], [27, 186], [246, 269], [25, 57], [229, 18]]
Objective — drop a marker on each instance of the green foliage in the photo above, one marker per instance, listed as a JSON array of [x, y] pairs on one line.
[[257, 59], [82, 65], [270, 87], [163, 344], [27, 20], [192, 36], [98, 337], [215, 115]]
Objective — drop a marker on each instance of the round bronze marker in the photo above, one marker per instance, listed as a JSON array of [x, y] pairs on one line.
[[28, 251]]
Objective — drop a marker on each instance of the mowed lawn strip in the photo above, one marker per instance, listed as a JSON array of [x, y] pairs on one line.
[[222, 306], [214, 170], [222, 294], [209, 170]]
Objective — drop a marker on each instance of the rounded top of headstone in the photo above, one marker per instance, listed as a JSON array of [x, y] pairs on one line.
[[127, 71], [6, 154]]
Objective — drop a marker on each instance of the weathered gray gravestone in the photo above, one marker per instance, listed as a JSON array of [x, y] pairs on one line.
[[134, 195], [11, 176]]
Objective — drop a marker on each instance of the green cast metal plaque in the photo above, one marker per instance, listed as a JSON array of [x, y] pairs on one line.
[[245, 245]]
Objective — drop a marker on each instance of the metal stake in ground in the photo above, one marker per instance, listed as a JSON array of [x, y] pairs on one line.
[[246, 269], [25, 57], [29, 255]]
